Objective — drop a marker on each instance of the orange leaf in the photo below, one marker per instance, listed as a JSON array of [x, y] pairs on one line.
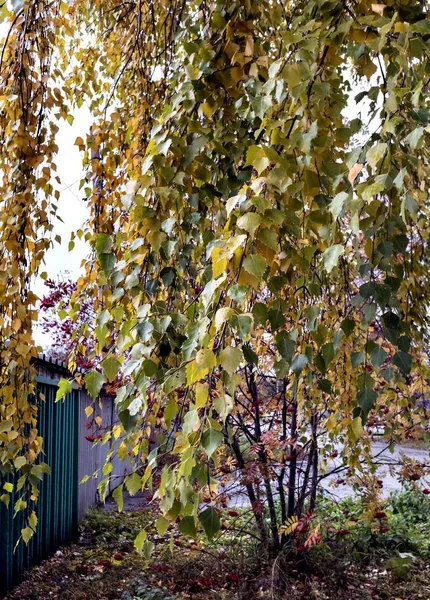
[[354, 172], [378, 8]]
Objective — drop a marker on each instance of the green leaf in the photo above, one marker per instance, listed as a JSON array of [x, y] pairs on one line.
[[144, 331], [210, 521], [64, 387], [187, 526], [403, 361], [191, 421], [269, 238], [256, 265], [242, 324], [249, 355], [162, 525], [128, 421], [19, 462], [118, 496], [331, 256], [337, 204], [224, 405], [104, 243], [298, 363], [285, 345], [133, 483], [107, 263], [306, 140], [274, 67], [111, 367], [148, 549], [366, 400], [259, 311], [276, 318], [211, 440], [249, 222], [325, 385], [327, 350], [230, 359], [140, 540], [414, 138], [378, 356], [39, 470], [174, 380], [422, 27], [357, 358], [347, 326], [94, 382], [374, 154]]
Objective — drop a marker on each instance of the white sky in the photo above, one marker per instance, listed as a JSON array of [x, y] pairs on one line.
[[71, 208]]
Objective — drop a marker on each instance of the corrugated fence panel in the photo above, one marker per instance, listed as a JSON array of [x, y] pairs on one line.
[[57, 507], [63, 501], [92, 455]]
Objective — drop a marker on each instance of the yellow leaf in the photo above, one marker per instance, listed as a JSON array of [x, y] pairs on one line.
[[79, 142], [116, 431], [194, 373], [219, 266], [289, 526], [32, 520], [27, 533], [202, 394], [89, 411], [356, 428], [401, 27], [207, 110], [16, 324], [206, 359]]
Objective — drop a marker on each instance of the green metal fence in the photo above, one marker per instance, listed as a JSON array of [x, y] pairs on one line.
[[57, 507]]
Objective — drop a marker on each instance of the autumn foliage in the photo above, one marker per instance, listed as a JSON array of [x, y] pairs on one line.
[[259, 223]]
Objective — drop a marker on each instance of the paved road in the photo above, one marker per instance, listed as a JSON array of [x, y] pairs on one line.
[[390, 482]]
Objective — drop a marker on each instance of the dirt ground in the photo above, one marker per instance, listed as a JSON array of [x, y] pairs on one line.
[[104, 565]]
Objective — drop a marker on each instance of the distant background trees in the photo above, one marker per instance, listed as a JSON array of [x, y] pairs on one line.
[[67, 336]]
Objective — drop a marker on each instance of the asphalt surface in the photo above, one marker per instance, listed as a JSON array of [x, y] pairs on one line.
[[386, 472]]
